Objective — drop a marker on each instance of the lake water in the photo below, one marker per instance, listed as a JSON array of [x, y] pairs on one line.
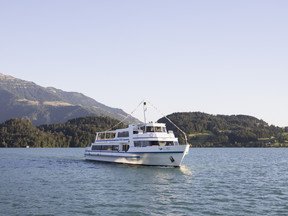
[[236, 181]]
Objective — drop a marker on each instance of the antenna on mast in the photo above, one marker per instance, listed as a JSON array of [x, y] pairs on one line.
[[144, 110]]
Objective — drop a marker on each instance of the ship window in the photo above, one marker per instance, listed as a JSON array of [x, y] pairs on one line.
[[104, 147], [149, 129], [123, 134], [125, 148], [110, 135], [137, 143], [135, 132], [154, 143], [115, 148], [96, 147], [158, 129], [101, 136], [145, 143], [141, 143], [169, 143]]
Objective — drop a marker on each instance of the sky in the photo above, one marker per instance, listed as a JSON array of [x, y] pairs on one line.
[[213, 56]]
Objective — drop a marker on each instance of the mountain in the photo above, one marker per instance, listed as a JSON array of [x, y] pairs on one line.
[[205, 130], [24, 99]]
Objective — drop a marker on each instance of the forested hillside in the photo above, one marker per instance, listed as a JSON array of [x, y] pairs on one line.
[[78, 132], [205, 130]]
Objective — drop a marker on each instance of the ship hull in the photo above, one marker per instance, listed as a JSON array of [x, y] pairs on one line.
[[159, 156]]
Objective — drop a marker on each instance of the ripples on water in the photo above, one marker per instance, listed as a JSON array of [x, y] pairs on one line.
[[211, 182]]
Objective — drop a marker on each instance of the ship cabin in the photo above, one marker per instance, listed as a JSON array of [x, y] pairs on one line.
[[153, 134], [141, 135]]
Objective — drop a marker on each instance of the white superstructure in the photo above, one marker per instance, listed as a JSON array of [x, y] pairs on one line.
[[145, 144]]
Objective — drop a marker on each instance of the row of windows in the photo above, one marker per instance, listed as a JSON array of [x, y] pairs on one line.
[[110, 148], [105, 147], [154, 129], [152, 143], [111, 135], [136, 144], [104, 136]]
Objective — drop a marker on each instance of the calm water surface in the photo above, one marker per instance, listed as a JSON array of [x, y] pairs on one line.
[[211, 182]]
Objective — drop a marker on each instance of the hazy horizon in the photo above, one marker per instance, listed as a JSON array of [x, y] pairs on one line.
[[217, 57]]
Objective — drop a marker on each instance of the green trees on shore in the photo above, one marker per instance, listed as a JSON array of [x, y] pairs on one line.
[[206, 130], [203, 130], [78, 132], [21, 133]]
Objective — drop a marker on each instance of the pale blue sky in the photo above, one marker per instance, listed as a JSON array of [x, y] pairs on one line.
[[214, 56]]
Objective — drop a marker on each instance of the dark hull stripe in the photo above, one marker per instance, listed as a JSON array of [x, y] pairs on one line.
[[160, 152]]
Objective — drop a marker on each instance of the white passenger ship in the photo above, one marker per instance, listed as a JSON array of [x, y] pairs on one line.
[[143, 144]]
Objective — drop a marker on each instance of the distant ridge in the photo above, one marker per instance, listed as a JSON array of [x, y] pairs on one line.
[[206, 130], [24, 99]]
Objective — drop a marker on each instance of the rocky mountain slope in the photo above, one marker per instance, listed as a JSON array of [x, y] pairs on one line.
[[24, 99]]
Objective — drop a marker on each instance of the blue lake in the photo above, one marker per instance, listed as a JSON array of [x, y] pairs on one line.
[[222, 181]]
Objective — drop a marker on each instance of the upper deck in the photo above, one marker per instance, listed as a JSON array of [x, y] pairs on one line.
[[148, 131]]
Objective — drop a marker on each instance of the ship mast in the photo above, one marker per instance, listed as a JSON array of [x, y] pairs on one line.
[[144, 111]]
